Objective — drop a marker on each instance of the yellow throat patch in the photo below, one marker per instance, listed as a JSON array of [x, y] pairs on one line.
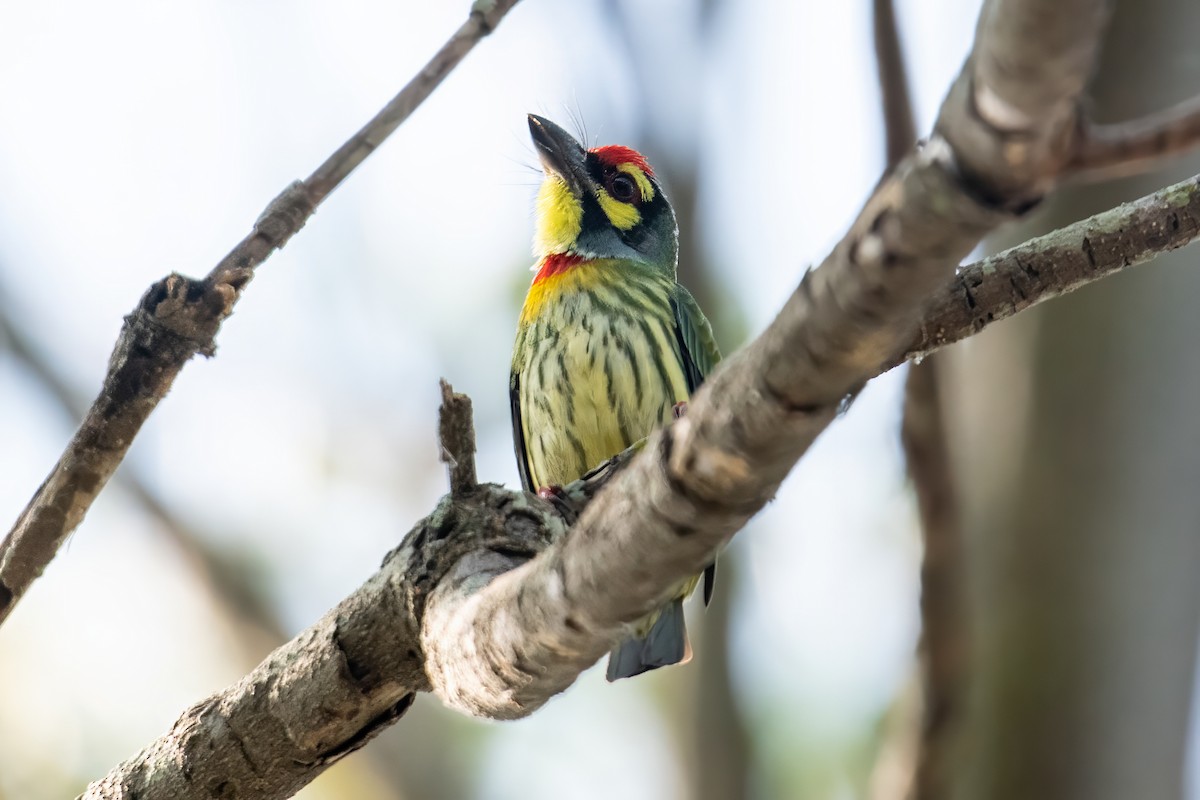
[[559, 217]]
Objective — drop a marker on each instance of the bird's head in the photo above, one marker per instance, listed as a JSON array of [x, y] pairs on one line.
[[600, 203]]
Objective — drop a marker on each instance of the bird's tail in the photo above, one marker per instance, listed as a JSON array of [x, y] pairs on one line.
[[666, 643]]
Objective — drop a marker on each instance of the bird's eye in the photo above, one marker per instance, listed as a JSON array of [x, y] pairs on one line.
[[622, 188]]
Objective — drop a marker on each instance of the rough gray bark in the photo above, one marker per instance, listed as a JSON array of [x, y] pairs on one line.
[[179, 317], [1048, 266]]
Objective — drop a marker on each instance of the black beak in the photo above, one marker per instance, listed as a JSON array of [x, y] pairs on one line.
[[559, 153]]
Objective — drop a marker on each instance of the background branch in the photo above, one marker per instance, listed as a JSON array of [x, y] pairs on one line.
[[179, 317], [899, 124], [944, 636], [1126, 148], [927, 456]]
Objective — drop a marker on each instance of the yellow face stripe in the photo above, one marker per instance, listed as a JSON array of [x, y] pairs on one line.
[[623, 216], [559, 217], [643, 183]]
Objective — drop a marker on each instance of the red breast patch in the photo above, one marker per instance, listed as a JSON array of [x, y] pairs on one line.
[[557, 264]]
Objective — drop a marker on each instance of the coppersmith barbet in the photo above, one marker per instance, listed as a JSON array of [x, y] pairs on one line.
[[609, 346]]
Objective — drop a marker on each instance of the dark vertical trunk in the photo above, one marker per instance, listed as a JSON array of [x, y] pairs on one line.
[[1077, 440]]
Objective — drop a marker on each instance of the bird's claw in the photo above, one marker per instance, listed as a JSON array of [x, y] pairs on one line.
[[550, 493], [556, 496], [679, 409]]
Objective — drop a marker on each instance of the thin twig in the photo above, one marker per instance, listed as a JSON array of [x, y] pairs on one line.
[[179, 317], [1127, 148], [996, 287]]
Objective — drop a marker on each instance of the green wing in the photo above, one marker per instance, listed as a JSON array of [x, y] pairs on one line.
[[695, 337], [700, 356], [514, 398]]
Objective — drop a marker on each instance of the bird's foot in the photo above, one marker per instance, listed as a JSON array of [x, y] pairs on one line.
[[556, 496], [551, 493], [679, 409]]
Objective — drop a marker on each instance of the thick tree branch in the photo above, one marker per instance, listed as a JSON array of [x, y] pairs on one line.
[[179, 317], [1011, 116], [339, 683]]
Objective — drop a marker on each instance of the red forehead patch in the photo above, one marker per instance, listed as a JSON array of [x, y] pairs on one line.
[[612, 155]]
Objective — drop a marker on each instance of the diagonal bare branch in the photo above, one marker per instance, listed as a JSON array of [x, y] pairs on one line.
[[229, 590], [179, 317]]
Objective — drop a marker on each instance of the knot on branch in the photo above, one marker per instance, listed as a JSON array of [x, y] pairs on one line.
[[187, 308], [492, 520], [285, 215], [176, 318], [488, 13]]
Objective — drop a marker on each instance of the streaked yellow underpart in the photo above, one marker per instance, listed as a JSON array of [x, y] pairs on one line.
[[559, 217], [597, 375], [623, 216], [579, 278], [643, 183]]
